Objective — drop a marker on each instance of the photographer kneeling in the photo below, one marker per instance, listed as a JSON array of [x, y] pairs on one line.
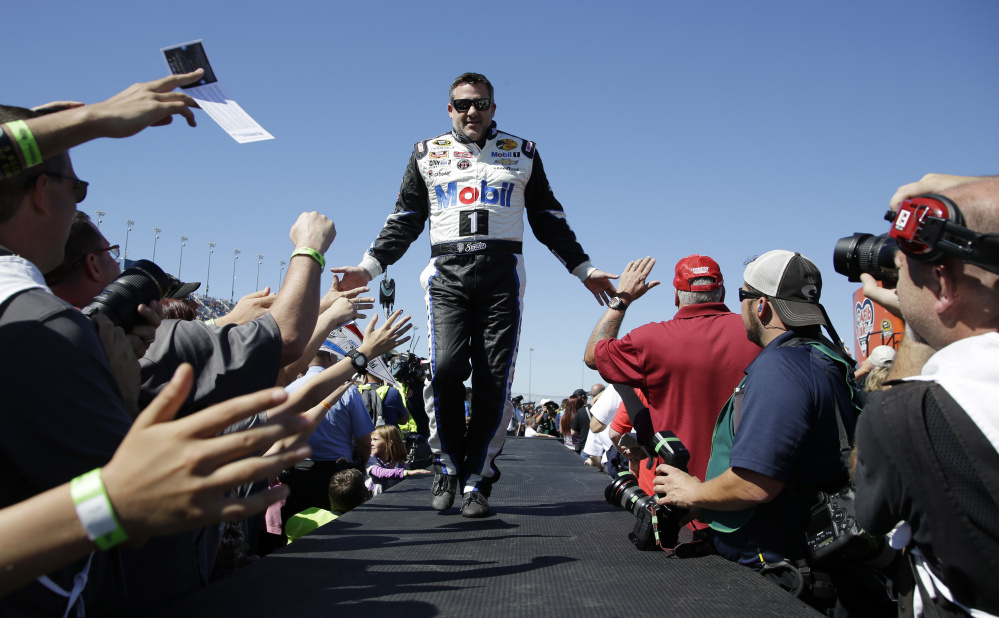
[[777, 440]]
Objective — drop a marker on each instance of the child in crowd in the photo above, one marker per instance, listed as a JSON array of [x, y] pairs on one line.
[[347, 491], [386, 466]]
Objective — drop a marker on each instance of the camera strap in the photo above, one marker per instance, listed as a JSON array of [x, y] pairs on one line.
[[818, 346]]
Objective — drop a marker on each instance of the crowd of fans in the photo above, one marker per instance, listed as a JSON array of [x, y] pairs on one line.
[[168, 425], [189, 428]]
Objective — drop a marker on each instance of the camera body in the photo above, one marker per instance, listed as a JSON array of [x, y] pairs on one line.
[[833, 533], [658, 525], [142, 283], [409, 369]]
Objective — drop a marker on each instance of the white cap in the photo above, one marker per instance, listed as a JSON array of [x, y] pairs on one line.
[[882, 356]]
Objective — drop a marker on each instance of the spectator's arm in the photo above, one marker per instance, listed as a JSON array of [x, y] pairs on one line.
[[596, 426], [885, 297], [165, 477], [128, 112], [607, 328], [380, 472], [734, 489], [631, 287], [343, 310], [249, 307], [376, 342], [297, 306]]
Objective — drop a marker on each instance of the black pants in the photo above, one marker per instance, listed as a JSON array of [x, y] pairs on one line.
[[474, 304]]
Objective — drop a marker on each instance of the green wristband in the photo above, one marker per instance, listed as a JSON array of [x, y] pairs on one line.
[[94, 509], [311, 253], [26, 140]]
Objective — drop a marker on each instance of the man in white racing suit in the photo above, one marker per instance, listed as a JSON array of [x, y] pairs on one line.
[[473, 183]]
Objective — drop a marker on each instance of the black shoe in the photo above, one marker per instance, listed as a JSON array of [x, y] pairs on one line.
[[474, 504], [444, 489]]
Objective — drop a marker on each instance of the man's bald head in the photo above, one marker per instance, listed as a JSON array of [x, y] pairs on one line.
[[979, 202], [949, 300]]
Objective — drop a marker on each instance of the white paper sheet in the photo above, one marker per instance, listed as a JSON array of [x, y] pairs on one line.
[[210, 95]]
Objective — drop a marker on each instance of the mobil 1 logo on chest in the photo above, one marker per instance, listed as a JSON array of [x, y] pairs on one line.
[[473, 222]]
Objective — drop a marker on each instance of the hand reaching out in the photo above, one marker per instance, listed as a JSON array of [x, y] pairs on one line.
[[381, 340], [600, 285], [632, 285], [171, 475]]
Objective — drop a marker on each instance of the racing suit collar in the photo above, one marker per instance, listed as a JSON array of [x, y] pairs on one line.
[[491, 134]]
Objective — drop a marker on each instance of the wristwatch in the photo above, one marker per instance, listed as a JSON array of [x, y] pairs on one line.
[[617, 303], [359, 360]]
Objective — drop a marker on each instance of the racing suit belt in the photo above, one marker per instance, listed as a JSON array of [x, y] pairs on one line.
[[463, 247]]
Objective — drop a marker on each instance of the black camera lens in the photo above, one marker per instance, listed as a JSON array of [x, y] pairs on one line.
[[867, 253], [142, 283], [624, 492]]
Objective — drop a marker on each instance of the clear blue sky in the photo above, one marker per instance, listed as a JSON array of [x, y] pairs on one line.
[[728, 128]]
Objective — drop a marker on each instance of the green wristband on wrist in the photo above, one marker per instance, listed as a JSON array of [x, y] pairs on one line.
[[311, 253], [93, 507], [26, 140]]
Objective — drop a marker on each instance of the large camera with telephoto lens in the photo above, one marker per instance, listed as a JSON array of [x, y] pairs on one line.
[[658, 525], [867, 253], [142, 283]]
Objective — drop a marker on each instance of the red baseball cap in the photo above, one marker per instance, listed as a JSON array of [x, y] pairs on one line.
[[694, 266]]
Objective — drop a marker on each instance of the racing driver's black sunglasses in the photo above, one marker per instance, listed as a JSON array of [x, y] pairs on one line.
[[462, 105]]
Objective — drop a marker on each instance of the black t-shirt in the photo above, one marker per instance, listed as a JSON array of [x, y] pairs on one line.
[[581, 425], [63, 416]]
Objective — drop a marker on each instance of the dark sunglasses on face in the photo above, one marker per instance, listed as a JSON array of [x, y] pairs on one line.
[[114, 250], [462, 105], [79, 186], [747, 295]]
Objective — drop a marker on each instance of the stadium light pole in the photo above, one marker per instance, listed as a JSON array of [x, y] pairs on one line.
[[530, 374], [281, 273], [128, 228], [232, 292], [156, 236], [211, 250], [100, 214], [256, 286], [180, 264]]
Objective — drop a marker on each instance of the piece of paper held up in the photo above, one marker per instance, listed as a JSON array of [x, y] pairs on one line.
[[209, 94], [348, 337]]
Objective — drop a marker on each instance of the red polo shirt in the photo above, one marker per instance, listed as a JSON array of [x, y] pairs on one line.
[[686, 367]]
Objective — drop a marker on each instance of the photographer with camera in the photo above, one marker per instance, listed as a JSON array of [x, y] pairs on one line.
[[778, 439], [927, 447]]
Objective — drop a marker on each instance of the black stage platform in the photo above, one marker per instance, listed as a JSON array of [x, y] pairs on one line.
[[553, 547]]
